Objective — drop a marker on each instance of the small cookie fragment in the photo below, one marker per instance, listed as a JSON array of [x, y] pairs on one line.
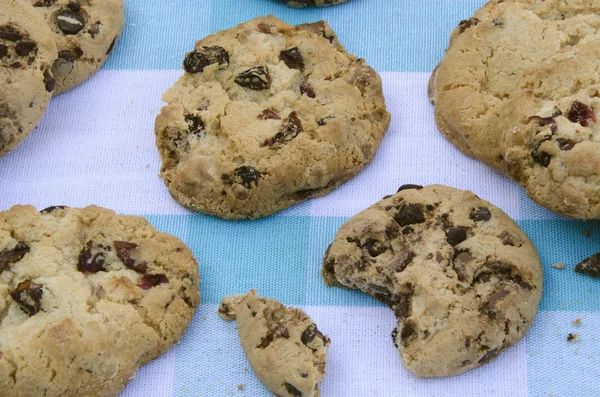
[[577, 322], [590, 266], [572, 338], [461, 277], [283, 345], [558, 265]]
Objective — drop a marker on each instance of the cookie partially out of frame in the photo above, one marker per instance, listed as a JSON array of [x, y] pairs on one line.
[[268, 115], [462, 278], [27, 52], [85, 31], [552, 134], [283, 345], [86, 298], [487, 55], [307, 3]]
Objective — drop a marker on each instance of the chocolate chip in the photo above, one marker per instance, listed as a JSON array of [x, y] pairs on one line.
[[402, 261], [460, 261], [74, 6], [49, 81], [69, 21], [195, 124], [13, 255], [111, 46], [291, 127], [28, 295], [401, 304], [489, 356], [292, 58], [590, 266], [489, 306], [480, 214], [268, 114], [466, 24], [248, 175], [408, 333], [565, 144], [508, 239], [197, 60], [456, 235], [310, 333], [581, 113], [374, 247], [409, 187], [410, 214], [292, 390], [278, 331], [544, 121], [407, 230], [256, 78], [44, 3], [24, 47], [394, 336], [541, 157], [305, 88], [3, 51], [124, 250], [148, 281], [52, 209], [10, 33], [91, 258]]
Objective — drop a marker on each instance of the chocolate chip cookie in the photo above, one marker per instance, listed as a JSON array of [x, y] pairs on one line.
[[552, 135], [307, 3], [284, 347], [86, 32], [86, 298], [268, 115], [487, 55], [27, 52], [462, 278]]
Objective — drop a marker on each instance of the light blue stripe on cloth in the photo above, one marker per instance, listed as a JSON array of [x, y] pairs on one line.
[[416, 32]]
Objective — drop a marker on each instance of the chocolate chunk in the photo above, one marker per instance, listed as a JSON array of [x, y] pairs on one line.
[[69, 21], [52, 209], [581, 113], [278, 331], [148, 281], [456, 235], [408, 333], [49, 81], [489, 356], [480, 214], [10, 33], [508, 239], [3, 50], [111, 46], [394, 336], [541, 157], [544, 121], [268, 114], [310, 333], [402, 261], [292, 390], [248, 175], [374, 247], [461, 259], [292, 58], [124, 250], [256, 78], [409, 187], [291, 127], [466, 24], [565, 144], [74, 6], [24, 47], [410, 214], [195, 124], [489, 306], [91, 258], [197, 60], [590, 266], [401, 304], [305, 88], [29, 296], [10, 256]]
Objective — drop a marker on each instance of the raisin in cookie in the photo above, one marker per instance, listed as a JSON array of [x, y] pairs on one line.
[[461, 277], [268, 115], [284, 347], [85, 31], [86, 298], [307, 3], [487, 55], [27, 52], [552, 134]]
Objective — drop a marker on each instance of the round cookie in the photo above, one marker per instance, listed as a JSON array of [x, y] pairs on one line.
[[487, 55], [268, 115], [27, 52], [283, 345], [85, 31], [86, 298], [462, 278], [307, 3], [551, 132]]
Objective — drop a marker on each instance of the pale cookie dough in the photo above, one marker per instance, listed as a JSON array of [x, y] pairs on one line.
[[283, 345], [462, 278], [552, 133], [86, 298], [27, 52], [307, 3], [268, 115], [487, 55], [86, 32]]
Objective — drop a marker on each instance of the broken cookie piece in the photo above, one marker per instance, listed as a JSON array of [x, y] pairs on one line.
[[283, 345], [461, 277]]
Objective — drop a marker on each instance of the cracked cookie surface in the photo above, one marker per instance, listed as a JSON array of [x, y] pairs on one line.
[[551, 132], [27, 52], [85, 31], [268, 115], [308, 3], [283, 345], [487, 55], [462, 278], [86, 298]]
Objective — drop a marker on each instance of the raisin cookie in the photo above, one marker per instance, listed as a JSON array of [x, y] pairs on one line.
[[85, 32], [462, 278], [307, 3], [284, 347], [268, 115], [86, 298], [487, 55], [27, 52], [552, 134]]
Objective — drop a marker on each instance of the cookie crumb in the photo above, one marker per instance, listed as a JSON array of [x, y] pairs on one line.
[[577, 322], [558, 265], [586, 233], [240, 387], [572, 338]]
